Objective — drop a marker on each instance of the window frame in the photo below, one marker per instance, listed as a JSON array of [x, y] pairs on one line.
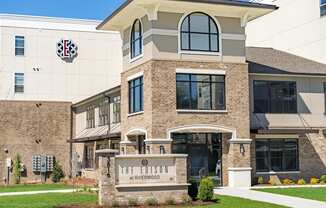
[[268, 97], [131, 96], [190, 81], [283, 157], [133, 40], [322, 8], [116, 110], [16, 85], [103, 112], [21, 38], [89, 159], [189, 32], [90, 117]]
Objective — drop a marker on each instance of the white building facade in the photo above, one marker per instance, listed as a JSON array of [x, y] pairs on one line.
[[297, 27], [31, 69]]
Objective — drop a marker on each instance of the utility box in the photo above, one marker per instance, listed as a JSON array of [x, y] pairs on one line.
[[42, 163]]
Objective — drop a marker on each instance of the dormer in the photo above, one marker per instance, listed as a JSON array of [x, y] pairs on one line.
[[189, 30]]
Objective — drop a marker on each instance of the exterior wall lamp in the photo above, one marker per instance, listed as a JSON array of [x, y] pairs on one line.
[[242, 149]]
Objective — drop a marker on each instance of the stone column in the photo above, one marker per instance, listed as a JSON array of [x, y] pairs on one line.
[[106, 180], [239, 165]]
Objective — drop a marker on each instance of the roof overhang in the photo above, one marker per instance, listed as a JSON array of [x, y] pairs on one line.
[[121, 18]]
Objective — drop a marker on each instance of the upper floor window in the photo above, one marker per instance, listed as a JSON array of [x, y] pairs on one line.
[[104, 113], [19, 82], [136, 95], [275, 96], [90, 117], [322, 7], [200, 92], [136, 39], [116, 115], [19, 45], [199, 32]]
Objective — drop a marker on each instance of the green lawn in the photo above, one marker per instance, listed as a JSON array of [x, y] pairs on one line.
[[234, 202], [307, 193], [46, 200], [33, 187]]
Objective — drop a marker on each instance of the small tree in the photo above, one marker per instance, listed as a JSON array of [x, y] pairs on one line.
[[17, 168], [57, 173], [206, 189]]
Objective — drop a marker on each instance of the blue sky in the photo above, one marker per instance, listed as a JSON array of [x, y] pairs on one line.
[[84, 9]]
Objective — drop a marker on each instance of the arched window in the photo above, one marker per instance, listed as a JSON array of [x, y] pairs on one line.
[[199, 32], [136, 39]]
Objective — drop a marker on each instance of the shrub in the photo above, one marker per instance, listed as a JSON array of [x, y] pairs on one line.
[[193, 188], [132, 202], [206, 189], [287, 182], [151, 202], [323, 179], [17, 169], [186, 199], [260, 180], [314, 181], [301, 182], [170, 201], [57, 173], [115, 203]]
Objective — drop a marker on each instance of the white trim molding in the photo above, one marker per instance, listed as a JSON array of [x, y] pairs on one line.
[[233, 36], [277, 136], [200, 111], [158, 141], [134, 76], [135, 131], [240, 141], [200, 71], [214, 128]]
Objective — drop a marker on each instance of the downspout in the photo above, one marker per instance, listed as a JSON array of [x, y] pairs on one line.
[[71, 138]]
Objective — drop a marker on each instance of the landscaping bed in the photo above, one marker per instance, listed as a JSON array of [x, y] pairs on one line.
[[222, 202]]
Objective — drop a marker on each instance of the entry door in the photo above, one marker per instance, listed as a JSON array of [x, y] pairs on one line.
[[198, 159]]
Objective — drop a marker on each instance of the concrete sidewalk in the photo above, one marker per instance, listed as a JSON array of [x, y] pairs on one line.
[[37, 192], [288, 201]]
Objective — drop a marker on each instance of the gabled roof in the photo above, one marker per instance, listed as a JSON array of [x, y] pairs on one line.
[[271, 61]]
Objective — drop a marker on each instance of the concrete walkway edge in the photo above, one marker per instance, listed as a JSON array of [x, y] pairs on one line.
[[283, 200]]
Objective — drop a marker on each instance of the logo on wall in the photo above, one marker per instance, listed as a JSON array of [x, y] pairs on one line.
[[66, 49]]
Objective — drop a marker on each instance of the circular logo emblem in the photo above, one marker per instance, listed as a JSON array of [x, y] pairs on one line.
[[144, 162], [66, 49]]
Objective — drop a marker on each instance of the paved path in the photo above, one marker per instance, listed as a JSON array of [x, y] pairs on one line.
[[288, 201], [37, 192]]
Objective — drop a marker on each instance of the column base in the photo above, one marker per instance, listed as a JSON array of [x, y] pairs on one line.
[[240, 177]]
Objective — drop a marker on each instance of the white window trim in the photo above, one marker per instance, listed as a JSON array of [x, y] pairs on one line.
[[136, 113], [200, 111], [201, 71], [142, 42], [134, 76], [180, 51], [14, 88], [278, 172]]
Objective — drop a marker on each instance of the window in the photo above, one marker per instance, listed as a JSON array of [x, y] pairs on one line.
[[19, 82], [199, 32], [90, 117], [325, 96], [275, 97], [200, 92], [136, 95], [89, 156], [277, 155], [322, 7], [136, 39], [104, 112], [116, 110], [19, 45]]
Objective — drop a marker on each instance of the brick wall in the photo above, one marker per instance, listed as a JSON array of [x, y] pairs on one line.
[[22, 123]]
